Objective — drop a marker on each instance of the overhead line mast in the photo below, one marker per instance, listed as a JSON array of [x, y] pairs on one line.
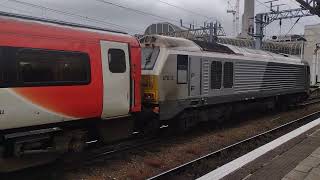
[[235, 11], [264, 19], [312, 5]]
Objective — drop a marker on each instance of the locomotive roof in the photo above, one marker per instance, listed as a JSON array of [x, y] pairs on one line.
[[169, 42], [182, 44], [28, 25]]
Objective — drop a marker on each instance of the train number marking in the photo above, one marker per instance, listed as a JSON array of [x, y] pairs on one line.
[[168, 78]]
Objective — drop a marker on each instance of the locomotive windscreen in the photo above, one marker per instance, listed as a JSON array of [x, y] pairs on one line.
[[149, 57]]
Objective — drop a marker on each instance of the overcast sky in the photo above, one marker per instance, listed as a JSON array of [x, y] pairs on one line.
[[110, 16]]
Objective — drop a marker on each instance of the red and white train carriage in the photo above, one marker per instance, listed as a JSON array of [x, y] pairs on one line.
[[55, 78]]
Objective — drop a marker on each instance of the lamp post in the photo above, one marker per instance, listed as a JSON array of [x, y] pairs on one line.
[[316, 64]]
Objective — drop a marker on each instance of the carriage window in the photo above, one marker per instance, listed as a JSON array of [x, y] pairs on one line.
[[182, 69], [117, 61], [8, 73], [52, 67], [216, 74], [25, 67], [228, 75]]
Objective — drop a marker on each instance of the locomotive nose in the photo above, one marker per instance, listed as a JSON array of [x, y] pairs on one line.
[[150, 89]]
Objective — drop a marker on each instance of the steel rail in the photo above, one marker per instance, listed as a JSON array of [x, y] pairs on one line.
[[136, 144], [108, 151], [183, 167]]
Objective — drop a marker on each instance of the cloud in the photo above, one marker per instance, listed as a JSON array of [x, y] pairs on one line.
[[134, 22]]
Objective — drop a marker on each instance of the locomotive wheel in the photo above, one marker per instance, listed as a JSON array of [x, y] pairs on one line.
[[149, 123], [182, 124], [282, 106], [186, 120], [115, 130], [228, 113]]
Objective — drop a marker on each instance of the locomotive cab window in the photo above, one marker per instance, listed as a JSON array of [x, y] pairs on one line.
[[216, 74], [149, 57], [182, 69], [117, 61], [25, 67], [228, 75]]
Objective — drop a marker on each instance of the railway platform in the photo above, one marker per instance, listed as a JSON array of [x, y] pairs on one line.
[[296, 158], [309, 168]]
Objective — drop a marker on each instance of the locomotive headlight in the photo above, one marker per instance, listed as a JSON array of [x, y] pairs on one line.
[[149, 96], [150, 89]]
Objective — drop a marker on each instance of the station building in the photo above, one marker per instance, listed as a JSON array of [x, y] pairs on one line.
[[311, 55], [162, 28]]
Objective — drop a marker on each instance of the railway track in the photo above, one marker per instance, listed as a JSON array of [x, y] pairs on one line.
[[70, 162], [310, 102], [104, 152], [201, 166], [109, 152]]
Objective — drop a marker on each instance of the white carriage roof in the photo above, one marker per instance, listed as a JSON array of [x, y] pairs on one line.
[[182, 44], [59, 23]]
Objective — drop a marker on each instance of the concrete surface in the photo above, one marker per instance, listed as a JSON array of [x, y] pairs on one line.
[[308, 169]]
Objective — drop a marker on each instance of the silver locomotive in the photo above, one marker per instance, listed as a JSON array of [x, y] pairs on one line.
[[199, 81]]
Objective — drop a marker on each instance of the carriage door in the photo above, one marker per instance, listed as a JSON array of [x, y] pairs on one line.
[[116, 79], [194, 76]]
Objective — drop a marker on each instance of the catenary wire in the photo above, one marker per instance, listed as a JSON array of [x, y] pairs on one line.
[[189, 11], [184, 9], [293, 26], [137, 11], [87, 18]]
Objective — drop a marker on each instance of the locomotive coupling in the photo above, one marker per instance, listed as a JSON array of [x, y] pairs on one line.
[[156, 110]]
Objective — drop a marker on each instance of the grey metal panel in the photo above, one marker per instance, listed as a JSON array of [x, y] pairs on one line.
[[248, 76], [169, 89], [252, 79], [257, 76], [205, 77], [223, 91], [169, 109], [194, 76]]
